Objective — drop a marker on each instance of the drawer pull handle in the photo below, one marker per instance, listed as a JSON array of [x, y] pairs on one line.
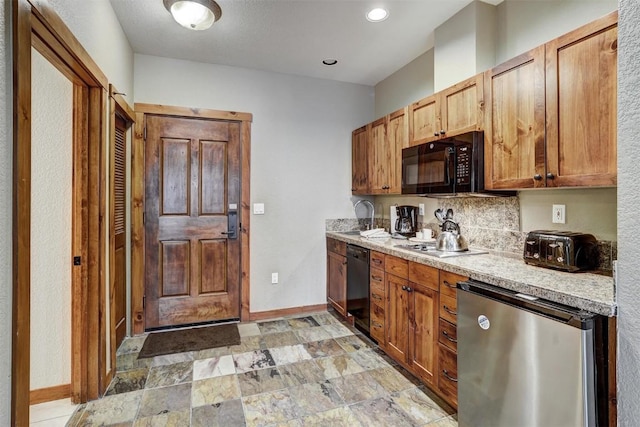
[[447, 376], [447, 336], [449, 285], [377, 278], [377, 325], [378, 297], [377, 261], [448, 310]]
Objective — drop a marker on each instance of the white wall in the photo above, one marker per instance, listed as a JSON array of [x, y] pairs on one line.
[[5, 213], [411, 83], [51, 199], [628, 219], [300, 161], [94, 24], [524, 25]]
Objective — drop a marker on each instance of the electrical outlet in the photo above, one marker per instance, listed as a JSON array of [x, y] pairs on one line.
[[558, 212], [421, 209], [274, 278]]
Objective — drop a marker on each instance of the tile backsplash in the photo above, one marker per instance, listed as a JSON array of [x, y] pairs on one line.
[[490, 223]]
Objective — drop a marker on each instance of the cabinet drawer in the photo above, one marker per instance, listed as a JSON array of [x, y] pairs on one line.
[[396, 266], [448, 335], [376, 285], [376, 327], [336, 246], [377, 260], [448, 309], [448, 381], [448, 283], [424, 275]]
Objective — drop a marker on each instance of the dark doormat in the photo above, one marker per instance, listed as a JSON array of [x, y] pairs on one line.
[[194, 339]]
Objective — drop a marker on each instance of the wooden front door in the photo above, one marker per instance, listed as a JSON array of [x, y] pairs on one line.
[[192, 201]]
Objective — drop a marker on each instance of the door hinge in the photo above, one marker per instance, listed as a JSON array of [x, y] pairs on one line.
[[144, 302], [143, 219], [144, 133], [77, 260]]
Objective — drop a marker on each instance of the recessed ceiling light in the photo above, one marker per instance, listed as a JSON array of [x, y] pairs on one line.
[[378, 14], [330, 61]]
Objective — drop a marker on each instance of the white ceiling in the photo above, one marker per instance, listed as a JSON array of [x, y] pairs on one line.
[[294, 36]]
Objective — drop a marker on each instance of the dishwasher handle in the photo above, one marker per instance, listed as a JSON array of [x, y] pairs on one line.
[[555, 311]]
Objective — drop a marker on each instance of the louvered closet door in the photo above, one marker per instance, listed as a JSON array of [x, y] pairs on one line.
[[119, 191]]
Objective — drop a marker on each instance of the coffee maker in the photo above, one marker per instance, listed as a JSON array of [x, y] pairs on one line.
[[407, 220]]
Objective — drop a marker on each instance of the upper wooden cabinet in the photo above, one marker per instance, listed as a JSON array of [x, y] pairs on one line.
[[450, 112], [582, 105], [515, 123], [550, 119], [377, 154], [360, 160]]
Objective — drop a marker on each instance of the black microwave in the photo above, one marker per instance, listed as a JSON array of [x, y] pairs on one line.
[[446, 167]]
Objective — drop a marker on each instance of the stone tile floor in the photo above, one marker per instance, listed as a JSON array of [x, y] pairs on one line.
[[310, 370]]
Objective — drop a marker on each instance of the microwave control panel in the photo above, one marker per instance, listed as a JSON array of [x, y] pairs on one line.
[[463, 165]]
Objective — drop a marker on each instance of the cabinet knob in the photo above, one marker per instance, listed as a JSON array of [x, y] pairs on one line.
[[404, 288], [409, 289], [550, 176], [442, 132], [436, 134], [537, 177]]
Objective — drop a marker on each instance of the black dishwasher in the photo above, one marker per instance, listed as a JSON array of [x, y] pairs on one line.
[[358, 286]]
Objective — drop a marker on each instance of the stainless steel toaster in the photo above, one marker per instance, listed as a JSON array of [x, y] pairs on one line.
[[561, 250]]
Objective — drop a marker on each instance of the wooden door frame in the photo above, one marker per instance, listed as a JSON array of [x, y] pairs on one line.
[[35, 24], [137, 201]]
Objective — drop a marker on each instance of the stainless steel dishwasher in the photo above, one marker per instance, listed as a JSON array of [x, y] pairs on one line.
[[358, 286], [524, 361]]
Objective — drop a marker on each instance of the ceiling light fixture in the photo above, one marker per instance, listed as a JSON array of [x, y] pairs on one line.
[[329, 61], [194, 14], [378, 14]]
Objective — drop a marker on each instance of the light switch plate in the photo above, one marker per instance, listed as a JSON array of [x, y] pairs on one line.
[[258, 208]]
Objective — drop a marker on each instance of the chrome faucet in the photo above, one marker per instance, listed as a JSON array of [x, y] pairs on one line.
[[373, 209]]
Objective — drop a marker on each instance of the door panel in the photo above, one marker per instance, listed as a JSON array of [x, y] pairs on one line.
[[192, 181], [398, 318], [423, 345], [119, 291]]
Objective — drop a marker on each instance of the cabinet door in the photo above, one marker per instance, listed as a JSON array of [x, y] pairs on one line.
[[581, 105], [379, 156], [424, 120], [462, 106], [398, 138], [515, 123], [423, 335], [397, 317], [359, 160], [337, 282]]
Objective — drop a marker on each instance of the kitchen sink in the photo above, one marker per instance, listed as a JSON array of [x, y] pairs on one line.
[[430, 249], [350, 232]]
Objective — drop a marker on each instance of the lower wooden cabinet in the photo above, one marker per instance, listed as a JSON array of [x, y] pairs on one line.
[[377, 298], [448, 376], [337, 275], [423, 332]]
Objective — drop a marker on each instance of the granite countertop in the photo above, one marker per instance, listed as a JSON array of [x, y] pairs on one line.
[[586, 291]]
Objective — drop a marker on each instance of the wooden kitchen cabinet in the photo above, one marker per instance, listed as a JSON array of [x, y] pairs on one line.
[[448, 337], [450, 112], [377, 154], [515, 123], [412, 318], [551, 113], [377, 297], [582, 105], [360, 160], [337, 275]]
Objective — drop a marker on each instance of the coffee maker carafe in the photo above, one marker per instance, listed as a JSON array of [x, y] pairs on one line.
[[407, 222]]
